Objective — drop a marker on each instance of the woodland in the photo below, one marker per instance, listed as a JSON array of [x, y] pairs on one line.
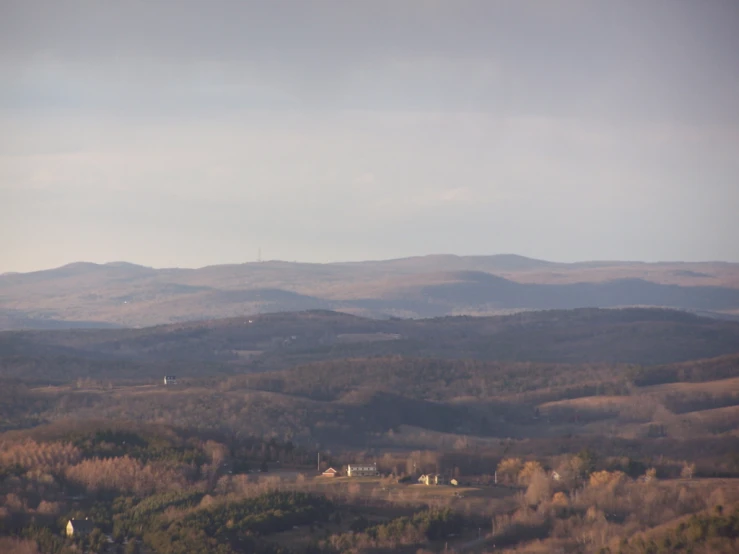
[[589, 431]]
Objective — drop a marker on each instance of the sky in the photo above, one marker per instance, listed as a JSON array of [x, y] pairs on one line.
[[187, 133]]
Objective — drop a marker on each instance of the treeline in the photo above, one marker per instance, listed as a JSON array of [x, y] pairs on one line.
[[101, 371], [608, 513], [698, 371], [680, 403], [267, 514], [21, 407], [428, 525], [589, 336], [104, 439], [235, 525], [181, 522], [478, 465], [123, 474], [716, 532], [432, 378]]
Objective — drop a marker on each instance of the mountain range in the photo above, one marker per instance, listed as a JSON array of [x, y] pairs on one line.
[[122, 294]]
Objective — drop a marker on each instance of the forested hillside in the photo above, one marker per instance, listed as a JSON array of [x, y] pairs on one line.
[[344, 380], [635, 410], [124, 295], [282, 340]]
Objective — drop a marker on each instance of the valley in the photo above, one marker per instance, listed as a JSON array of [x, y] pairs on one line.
[[572, 430]]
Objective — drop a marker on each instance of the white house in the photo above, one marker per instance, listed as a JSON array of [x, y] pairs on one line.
[[79, 527], [170, 380], [361, 470], [431, 479]]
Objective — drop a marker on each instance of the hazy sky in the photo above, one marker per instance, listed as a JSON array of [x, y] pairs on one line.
[[183, 133]]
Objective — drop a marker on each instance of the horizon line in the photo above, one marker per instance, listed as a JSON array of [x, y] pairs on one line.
[[114, 263]]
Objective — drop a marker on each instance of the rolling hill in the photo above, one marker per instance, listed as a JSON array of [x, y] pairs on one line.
[[630, 374], [281, 340], [124, 295]]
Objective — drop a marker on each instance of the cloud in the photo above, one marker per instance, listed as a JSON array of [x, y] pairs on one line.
[[324, 130], [617, 60], [456, 194], [366, 179]]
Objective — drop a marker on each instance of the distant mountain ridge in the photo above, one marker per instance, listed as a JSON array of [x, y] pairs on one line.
[[120, 294]]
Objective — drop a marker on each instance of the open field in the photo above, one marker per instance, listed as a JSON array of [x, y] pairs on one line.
[[387, 489]]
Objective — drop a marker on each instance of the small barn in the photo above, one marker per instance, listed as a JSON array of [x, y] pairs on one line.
[[330, 472], [79, 527]]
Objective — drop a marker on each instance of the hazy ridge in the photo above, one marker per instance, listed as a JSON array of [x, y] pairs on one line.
[[124, 294]]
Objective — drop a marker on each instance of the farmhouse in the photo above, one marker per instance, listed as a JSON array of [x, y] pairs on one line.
[[79, 527], [330, 472], [361, 470], [431, 479], [170, 380]]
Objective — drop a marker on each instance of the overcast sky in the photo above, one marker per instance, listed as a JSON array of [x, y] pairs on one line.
[[184, 133]]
